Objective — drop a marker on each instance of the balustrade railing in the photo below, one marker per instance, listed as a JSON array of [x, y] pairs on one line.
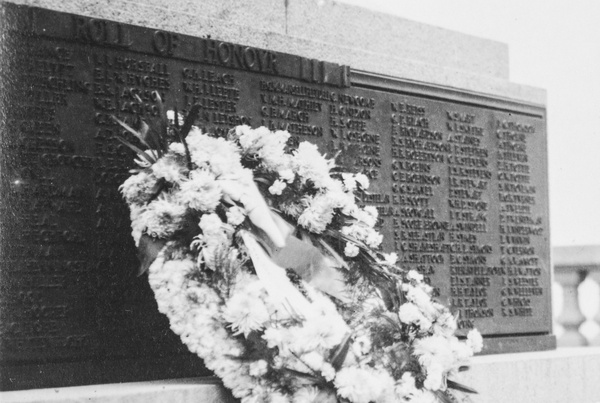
[[572, 266]]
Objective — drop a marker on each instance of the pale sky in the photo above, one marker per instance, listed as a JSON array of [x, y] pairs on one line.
[[553, 44]]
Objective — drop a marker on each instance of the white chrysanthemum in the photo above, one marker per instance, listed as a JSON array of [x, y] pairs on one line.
[[409, 313], [317, 215], [137, 188], [351, 250], [474, 340], [277, 187], [313, 359], [245, 311], [406, 386], [162, 217], [222, 157], [277, 397], [310, 165], [364, 385], [235, 215], [435, 376], [201, 192], [307, 394], [258, 368], [210, 224], [374, 239], [421, 299], [169, 168]]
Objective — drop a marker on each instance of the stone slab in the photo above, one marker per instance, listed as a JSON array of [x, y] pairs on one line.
[[456, 176], [560, 376]]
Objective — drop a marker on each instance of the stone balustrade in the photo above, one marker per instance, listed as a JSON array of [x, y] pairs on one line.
[[572, 266]]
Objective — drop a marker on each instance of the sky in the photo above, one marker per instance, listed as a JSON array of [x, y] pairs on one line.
[[555, 45]]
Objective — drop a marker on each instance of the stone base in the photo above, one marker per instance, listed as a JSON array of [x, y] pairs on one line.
[[567, 375], [560, 376], [518, 344]]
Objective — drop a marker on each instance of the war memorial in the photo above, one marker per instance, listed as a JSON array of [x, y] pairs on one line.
[[455, 154]]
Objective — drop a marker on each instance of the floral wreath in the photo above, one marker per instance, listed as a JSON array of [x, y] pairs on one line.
[[270, 272]]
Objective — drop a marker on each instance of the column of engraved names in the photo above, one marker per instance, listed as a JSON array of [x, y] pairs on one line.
[[520, 228], [418, 154], [46, 266], [298, 109], [358, 147], [468, 205], [217, 93], [127, 87]]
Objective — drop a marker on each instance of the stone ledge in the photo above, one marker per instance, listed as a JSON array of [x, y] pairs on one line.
[[561, 376], [392, 45], [188, 390], [566, 375]]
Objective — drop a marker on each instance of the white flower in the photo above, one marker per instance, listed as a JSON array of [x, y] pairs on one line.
[[317, 215], [406, 385], [474, 340], [168, 167], [137, 188], [361, 345], [277, 187], [328, 372], [307, 394], [235, 215], [162, 217], [314, 360], [351, 250], [349, 182], [287, 175], [277, 397], [374, 239], [245, 311], [201, 192], [414, 275], [311, 165], [363, 385], [390, 258], [258, 368], [177, 148], [362, 180], [435, 376], [220, 156], [210, 224], [410, 313]]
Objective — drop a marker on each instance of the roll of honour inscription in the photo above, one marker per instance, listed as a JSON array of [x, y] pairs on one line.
[[459, 181]]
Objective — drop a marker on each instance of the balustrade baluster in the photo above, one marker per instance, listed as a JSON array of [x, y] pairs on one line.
[[571, 317], [595, 276]]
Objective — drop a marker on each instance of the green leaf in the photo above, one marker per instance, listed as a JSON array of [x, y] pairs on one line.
[[303, 375], [461, 387], [137, 134], [148, 250], [339, 355], [443, 397], [137, 150]]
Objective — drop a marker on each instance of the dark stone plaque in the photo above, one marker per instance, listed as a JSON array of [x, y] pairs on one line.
[[460, 182]]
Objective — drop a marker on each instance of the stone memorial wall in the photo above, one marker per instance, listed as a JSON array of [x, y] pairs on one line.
[[459, 180]]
